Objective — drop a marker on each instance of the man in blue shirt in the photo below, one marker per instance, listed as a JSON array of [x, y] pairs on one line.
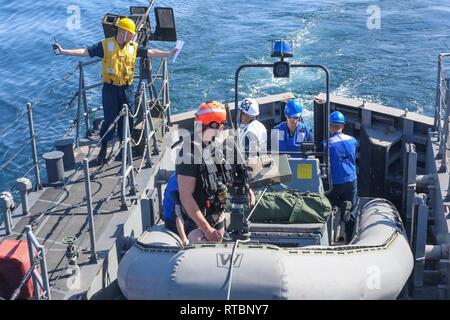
[[293, 131], [173, 216], [343, 166]]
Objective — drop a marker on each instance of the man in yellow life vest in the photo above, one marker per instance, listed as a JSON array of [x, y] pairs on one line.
[[118, 55]]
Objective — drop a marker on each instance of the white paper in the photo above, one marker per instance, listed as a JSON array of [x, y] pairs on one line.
[[179, 45]]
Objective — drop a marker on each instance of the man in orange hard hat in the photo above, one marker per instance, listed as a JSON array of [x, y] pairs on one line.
[[118, 55]]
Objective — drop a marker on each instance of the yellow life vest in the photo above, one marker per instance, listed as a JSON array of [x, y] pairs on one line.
[[118, 64]]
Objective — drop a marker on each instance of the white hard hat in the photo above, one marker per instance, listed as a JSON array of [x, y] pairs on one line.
[[249, 106]]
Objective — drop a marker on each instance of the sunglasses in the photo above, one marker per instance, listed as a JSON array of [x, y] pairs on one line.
[[293, 118], [216, 125], [126, 35]]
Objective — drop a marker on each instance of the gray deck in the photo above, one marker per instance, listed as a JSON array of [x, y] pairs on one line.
[[64, 212]]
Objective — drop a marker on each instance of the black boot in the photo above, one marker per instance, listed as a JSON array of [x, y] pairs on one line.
[[102, 154]]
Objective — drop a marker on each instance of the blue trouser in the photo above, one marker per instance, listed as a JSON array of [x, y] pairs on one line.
[[113, 98], [343, 192]]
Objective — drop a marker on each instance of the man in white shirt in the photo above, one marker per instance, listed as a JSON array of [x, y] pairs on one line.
[[252, 133]]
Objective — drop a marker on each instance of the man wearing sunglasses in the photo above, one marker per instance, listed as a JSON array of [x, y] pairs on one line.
[[293, 131], [253, 134], [203, 181], [118, 55]]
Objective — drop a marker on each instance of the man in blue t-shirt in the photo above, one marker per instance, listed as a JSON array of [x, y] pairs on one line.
[[173, 217], [293, 131]]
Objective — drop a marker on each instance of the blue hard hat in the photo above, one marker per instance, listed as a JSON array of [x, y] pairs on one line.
[[337, 118], [282, 46], [293, 109]]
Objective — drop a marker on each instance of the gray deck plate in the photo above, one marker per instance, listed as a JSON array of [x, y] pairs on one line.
[[66, 215]]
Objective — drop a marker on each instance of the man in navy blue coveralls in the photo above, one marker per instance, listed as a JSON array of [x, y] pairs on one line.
[[343, 166], [117, 74], [113, 97]]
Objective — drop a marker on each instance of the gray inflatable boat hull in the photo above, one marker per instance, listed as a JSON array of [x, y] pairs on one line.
[[375, 266]]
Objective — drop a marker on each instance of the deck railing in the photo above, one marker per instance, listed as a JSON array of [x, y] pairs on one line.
[[442, 109], [152, 101]]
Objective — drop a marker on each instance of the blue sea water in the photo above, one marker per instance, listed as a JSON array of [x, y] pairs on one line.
[[394, 65]]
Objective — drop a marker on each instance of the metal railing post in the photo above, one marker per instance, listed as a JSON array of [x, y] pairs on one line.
[[87, 183], [162, 100], [148, 128], [130, 159], [44, 273], [437, 110], [447, 109], [77, 136], [77, 131], [31, 255], [85, 105], [33, 147], [444, 140], [39, 281], [152, 87], [169, 113], [124, 159], [166, 102], [127, 160]]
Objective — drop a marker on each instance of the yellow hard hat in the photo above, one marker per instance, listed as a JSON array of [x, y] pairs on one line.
[[127, 24]]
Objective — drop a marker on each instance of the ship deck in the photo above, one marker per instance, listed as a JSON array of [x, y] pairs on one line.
[[63, 211]]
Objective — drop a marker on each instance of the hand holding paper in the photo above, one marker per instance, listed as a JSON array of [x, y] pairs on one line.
[[179, 45]]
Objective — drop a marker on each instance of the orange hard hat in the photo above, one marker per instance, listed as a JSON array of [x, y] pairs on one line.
[[211, 111]]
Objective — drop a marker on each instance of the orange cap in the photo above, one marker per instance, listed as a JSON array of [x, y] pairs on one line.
[[211, 111]]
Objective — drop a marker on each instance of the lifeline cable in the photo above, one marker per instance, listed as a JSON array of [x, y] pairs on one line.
[[19, 117], [35, 137], [15, 155], [24, 175]]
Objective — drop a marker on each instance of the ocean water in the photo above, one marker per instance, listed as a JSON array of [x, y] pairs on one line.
[[394, 65]]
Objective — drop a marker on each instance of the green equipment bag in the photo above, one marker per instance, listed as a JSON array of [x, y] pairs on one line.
[[291, 207]]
